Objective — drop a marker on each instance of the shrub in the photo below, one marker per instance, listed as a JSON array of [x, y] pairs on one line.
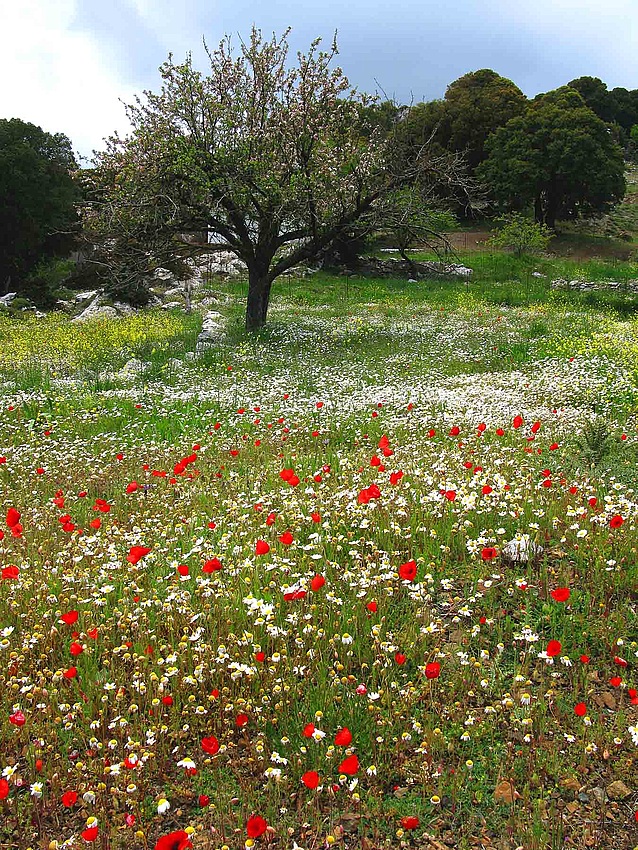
[[520, 234]]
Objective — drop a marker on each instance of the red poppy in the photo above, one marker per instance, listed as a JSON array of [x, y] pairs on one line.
[[308, 730], [343, 738], [13, 517], [368, 493], [286, 538], [349, 765], [317, 582], [486, 490], [17, 718], [183, 569], [10, 572], [90, 834], [554, 648], [410, 822], [372, 607], [256, 826], [241, 720], [580, 709], [518, 421], [488, 553], [615, 682], [616, 521], [561, 594], [262, 547], [69, 798], [4, 789], [70, 617], [432, 670], [535, 427], [76, 648], [407, 571], [174, 841], [400, 658], [71, 673], [395, 477], [136, 553], [203, 800], [310, 779], [315, 517], [132, 487], [212, 565], [450, 495], [454, 431], [210, 745]]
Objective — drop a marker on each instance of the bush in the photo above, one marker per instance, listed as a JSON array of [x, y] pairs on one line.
[[46, 279], [520, 234]]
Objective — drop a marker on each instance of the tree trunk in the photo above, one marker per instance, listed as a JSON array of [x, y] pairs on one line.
[[258, 296]]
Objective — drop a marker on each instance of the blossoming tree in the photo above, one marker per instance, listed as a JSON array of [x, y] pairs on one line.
[[265, 155]]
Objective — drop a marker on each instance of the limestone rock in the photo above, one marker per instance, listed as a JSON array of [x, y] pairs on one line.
[[521, 549], [131, 370], [618, 790], [212, 331], [96, 310], [8, 298]]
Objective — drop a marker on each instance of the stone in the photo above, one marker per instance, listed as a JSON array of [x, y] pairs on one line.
[[8, 298], [131, 370], [618, 790], [172, 305], [83, 296], [95, 310], [212, 331], [124, 309], [162, 274], [505, 792], [521, 549], [599, 794], [399, 268]]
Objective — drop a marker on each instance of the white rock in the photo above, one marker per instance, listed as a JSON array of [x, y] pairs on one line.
[[212, 331], [8, 298], [521, 548], [130, 370], [124, 309], [82, 296]]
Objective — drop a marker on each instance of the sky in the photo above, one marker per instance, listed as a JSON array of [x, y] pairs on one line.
[[70, 65]]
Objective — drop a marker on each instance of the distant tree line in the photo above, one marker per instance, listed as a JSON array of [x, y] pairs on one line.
[[283, 165]]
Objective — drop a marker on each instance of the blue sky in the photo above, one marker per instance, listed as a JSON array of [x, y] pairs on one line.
[[67, 64]]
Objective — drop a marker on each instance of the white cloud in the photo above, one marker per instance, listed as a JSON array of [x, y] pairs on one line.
[[59, 78]]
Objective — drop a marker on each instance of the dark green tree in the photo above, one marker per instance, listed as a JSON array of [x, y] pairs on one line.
[[558, 156], [478, 104], [37, 199], [474, 106], [596, 95]]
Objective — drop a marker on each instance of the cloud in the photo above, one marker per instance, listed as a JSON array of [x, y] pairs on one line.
[[66, 63], [60, 79]]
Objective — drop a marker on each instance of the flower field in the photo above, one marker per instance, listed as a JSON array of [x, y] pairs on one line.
[[369, 581]]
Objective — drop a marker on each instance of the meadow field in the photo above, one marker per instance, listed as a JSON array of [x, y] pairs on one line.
[[367, 579]]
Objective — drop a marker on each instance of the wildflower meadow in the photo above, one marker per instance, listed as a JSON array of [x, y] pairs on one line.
[[368, 579]]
